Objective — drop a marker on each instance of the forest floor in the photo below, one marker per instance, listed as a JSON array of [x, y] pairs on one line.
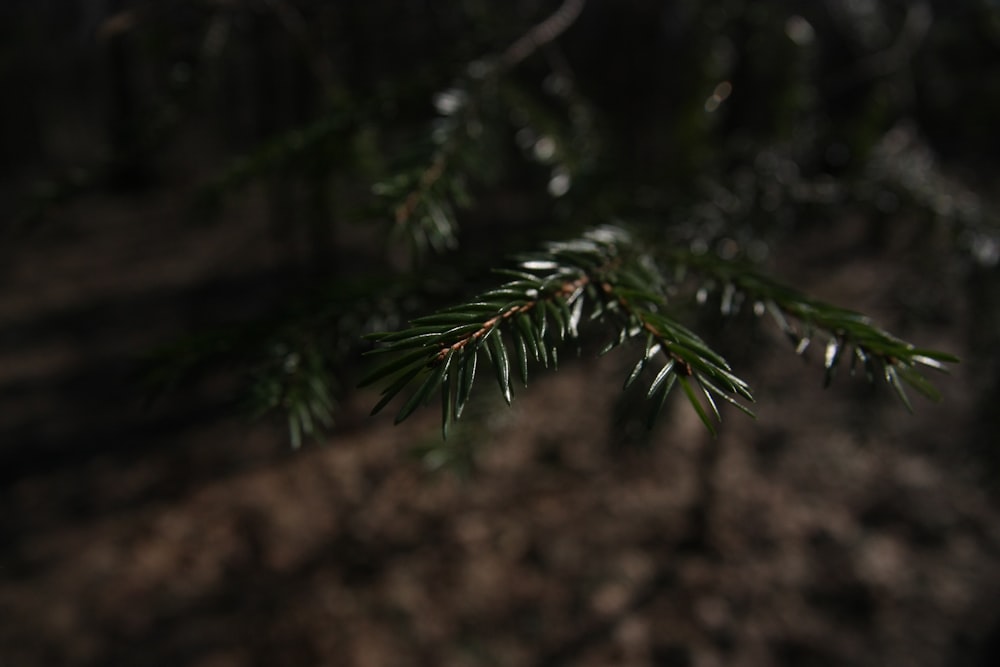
[[835, 530]]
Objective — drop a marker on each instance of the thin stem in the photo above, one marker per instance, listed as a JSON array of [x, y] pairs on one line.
[[543, 33], [566, 289]]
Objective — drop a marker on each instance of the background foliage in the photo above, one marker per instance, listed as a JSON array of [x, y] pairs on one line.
[[765, 129]]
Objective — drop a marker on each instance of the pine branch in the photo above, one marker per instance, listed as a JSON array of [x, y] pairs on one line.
[[299, 384], [524, 319], [687, 358], [423, 201], [844, 333], [288, 373], [528, 319], [290, 359], [609, 276]]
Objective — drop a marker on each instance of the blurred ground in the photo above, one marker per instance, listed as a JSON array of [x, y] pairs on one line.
[[836, 530]]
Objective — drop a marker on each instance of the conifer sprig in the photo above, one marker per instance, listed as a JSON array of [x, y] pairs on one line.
[[636, 298], [527, 319], [423, 199], [606, 278], [523, 320], [843, 333]]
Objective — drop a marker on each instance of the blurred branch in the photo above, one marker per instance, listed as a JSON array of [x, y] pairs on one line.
[[543, 33]]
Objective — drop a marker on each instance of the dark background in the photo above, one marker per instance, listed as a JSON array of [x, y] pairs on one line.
[[186, 196]]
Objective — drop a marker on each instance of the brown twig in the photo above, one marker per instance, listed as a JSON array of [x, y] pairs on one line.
[[566, 289], [543, 33]]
